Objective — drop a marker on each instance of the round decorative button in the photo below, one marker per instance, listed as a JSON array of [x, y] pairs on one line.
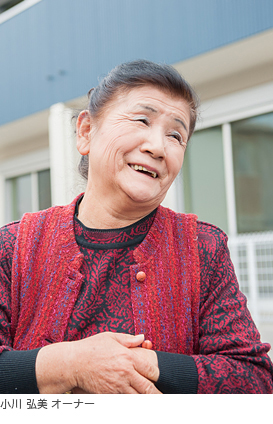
[[140, 276]]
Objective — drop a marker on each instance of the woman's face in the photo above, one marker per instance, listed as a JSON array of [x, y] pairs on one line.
[[137, 147]]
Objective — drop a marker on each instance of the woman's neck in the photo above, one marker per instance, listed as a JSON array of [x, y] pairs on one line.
[[94, 213]]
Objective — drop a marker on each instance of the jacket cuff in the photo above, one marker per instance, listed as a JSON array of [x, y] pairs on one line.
[[178, 374], [17, 372]]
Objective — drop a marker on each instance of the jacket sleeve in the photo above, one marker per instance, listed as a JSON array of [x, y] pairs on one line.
[[7, 240], [17, 368], [231, 357]]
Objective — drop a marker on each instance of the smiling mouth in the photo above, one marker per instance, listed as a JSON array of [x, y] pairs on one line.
[[144, 170]]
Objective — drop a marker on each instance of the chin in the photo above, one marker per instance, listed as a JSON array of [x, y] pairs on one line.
[[144, 194], [146, 199]]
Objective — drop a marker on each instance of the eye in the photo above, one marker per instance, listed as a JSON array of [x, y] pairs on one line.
[[177, 136], [142, 119]]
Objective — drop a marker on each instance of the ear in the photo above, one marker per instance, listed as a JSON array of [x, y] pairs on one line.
[[83, 128]]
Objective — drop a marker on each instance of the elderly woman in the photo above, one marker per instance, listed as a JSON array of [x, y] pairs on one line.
[[83, 285]]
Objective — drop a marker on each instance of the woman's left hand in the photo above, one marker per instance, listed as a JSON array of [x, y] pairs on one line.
[[148, 355], [143, 354]]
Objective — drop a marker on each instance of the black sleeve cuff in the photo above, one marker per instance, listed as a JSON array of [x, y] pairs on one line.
[[178, 374], [17, 372]]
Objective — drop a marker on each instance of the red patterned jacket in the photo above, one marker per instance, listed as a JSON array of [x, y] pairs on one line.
[[216, 329], [46, 280]]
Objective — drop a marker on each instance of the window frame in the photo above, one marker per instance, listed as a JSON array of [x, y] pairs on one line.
[[30, 163]]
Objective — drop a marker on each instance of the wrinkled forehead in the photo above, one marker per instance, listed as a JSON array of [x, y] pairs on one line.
[[144, 93], [146, 88]]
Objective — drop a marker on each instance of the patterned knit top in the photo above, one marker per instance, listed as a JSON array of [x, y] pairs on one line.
[[104, 302]]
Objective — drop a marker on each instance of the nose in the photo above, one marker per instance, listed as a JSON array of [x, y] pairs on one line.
[[154, 144]]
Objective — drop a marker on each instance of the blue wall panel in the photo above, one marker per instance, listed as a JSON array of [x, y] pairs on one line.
[[55, 50]]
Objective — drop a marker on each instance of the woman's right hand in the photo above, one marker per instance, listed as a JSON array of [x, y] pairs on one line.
[[104, 363]]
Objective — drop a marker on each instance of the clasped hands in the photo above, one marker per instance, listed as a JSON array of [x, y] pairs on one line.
[[104, 363]]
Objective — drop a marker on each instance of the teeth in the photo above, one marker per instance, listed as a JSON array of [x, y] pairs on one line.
[[142, 168]]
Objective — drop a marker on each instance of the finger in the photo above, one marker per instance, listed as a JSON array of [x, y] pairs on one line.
[[128, 340], [147, 344], [146, 363], [143, 386], [131, 391]]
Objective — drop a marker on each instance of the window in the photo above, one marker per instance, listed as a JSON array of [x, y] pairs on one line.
[[204, 177], [205, 174], [252, 145], [27, 193]]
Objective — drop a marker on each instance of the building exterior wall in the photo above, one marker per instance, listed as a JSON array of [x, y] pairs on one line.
[[55, 50]]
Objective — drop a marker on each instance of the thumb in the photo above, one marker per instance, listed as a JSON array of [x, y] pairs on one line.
[[128, 340]]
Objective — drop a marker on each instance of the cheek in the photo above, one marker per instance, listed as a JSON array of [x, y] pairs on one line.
[[175, 160], [112, 156]]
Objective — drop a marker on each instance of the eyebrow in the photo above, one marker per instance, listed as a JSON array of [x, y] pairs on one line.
[[151, 109], [182, 123]]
